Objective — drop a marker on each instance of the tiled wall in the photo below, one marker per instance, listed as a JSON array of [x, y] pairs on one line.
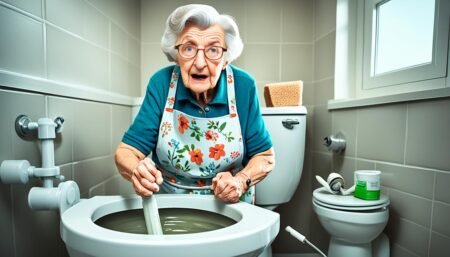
[[409, 142], [84, 45], [284, 40]]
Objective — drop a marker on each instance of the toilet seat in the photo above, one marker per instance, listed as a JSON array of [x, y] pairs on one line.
[[84, 238], [348, 202]]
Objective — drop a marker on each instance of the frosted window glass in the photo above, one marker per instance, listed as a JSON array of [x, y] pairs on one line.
[[404, 34]]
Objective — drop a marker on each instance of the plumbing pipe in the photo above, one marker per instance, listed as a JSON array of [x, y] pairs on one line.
[[15, 171], [19, 171], [56, 198]]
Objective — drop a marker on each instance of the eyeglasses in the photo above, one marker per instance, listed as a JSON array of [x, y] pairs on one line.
[[189, 51]]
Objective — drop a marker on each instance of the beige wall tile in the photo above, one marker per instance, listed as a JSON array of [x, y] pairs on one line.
[[92, 131], [324, 17], [440, 245], [66, 14], [134, 51], [407, 179], [154, 14], [442, 187], [365, 165], [410, 207], [85, 64], [324, 91], [6, 127], [408, 235], [398, 251], [296, 62], [95, 26], [133, 80], [261, 61], [91, 172], [263, 21], [428, 140], [119, 75], [381, 133], [123, 13], [441, 213], [80, 18], [324, 57], [7, 225], [119, 41], [297, 21], [22, 44]]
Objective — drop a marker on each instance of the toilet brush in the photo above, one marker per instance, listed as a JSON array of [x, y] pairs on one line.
[[303, 239]]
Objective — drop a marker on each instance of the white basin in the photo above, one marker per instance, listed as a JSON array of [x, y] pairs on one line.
[[255, 229]]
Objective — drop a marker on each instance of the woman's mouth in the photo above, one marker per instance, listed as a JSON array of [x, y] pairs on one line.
[[199, 76]]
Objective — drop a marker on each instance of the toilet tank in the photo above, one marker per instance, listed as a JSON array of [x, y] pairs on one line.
[[289, 145]]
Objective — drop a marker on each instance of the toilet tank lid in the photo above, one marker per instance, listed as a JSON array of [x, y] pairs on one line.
[[296, 110]]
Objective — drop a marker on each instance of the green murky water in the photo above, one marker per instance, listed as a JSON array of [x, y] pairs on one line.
[[173, 221]]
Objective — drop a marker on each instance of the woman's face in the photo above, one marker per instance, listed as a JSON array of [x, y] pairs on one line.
[[200, 73]]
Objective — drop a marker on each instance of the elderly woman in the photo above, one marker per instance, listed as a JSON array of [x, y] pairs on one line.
[[204, 131]]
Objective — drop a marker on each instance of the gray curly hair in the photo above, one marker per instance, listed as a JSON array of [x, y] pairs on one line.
[[203, 16]]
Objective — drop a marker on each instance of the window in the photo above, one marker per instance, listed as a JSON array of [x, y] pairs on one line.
[[401, 28], [389, 47]]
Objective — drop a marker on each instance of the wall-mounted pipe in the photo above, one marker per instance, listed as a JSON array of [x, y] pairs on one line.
[[46, 197]]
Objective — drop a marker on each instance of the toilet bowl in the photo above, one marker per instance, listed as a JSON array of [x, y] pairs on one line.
[[352, 223], [254, 230]]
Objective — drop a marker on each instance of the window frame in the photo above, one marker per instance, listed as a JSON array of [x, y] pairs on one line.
[[353, 83]]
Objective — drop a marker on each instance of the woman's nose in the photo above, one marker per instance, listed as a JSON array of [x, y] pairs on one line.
[[200, 59]]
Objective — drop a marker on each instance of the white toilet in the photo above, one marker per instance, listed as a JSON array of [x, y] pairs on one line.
[[287, 128], [254, 229], [354, 225]]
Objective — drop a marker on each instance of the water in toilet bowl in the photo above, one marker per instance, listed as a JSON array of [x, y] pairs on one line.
[[173, 221]]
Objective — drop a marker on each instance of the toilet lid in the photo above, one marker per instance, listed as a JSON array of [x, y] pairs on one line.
[[347, 202]]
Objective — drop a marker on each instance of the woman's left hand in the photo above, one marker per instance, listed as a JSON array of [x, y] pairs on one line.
[[227, 187]]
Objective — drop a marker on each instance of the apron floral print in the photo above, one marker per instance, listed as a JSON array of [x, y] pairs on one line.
[[192, 150]]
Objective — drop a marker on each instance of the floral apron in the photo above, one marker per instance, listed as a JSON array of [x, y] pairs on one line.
[[192, 150]]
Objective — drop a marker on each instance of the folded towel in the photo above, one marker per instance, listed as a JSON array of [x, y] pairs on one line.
[[283, 93]]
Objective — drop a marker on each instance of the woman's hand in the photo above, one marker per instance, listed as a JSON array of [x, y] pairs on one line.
[[146, 178], [227, 187]]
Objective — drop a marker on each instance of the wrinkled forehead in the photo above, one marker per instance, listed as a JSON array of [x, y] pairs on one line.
[[197, 35]]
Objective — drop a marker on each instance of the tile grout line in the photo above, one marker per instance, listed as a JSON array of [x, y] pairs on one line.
[[432, 212]]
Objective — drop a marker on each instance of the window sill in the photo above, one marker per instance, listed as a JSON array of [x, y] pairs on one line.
[[337, 104]]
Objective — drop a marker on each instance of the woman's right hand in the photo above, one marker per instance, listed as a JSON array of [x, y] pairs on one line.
[[146, 178]]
